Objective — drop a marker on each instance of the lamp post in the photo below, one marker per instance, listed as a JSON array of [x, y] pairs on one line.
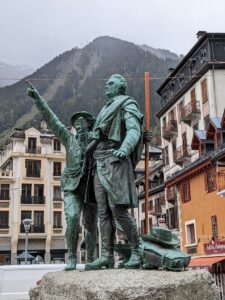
[[26, 224]]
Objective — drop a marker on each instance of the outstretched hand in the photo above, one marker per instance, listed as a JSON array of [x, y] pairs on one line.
[[32, 92]]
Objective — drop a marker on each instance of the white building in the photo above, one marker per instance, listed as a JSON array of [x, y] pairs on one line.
[[193, 95]]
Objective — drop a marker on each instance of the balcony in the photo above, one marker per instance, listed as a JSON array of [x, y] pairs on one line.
[[28, 199], [191, 112], [156, 211], [162, 200], [171, 195], [33, 150], [170, 130], [57, 199], [33, 229], [182, 154], [220, 181]]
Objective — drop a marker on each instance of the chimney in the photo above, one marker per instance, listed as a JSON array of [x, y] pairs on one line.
[[200, 34], [44, 127], [170, 70]]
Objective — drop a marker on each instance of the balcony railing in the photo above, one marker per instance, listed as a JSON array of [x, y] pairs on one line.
[[220, 181], [28, 199], [191, 111], [171, 195], [156, 211], [57, 226], [162, 200], [57, 199], [33, 229], [170, 130], [34, 150], [182, 154]]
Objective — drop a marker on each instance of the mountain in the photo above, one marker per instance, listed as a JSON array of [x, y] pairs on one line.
[[75, 81], [10, 74], [160, 53]]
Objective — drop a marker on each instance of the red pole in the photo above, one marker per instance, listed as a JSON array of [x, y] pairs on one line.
[[147, 128]]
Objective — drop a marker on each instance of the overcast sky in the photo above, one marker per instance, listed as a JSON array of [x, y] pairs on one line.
[[32, 32]]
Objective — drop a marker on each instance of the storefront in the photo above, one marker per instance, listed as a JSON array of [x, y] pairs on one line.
[[214, 262]]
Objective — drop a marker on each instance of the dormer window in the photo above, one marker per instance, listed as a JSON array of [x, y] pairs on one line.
[[32, 144]]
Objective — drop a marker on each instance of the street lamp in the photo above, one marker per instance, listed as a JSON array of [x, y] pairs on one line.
[[26, 224]]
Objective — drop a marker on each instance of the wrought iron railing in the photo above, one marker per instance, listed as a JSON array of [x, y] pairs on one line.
[[170, 128], [34, 150], [192, 108], [182, 153], [33, 229], [171, 193], [28, 199]]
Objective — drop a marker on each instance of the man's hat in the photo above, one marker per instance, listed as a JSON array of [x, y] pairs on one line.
[[161, 236], [83, 114]]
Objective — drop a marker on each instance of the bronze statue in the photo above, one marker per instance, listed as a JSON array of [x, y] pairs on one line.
[[73, 181], [116, 145]]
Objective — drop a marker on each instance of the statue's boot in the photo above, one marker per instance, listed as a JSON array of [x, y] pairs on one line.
[[90, 242], [134, 260], [72, 235], [106, 260]]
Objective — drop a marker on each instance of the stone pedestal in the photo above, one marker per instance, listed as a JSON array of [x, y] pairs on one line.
[[121, 284]]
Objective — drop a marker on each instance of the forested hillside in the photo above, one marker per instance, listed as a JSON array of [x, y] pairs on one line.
[[75, 81]]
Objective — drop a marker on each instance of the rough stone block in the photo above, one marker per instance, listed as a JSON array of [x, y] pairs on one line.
[[121, 284]]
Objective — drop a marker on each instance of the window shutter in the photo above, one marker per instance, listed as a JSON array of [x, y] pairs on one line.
[[182, 193], [206, 182]]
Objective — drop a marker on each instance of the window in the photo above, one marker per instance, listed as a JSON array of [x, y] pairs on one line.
[[193, 98], [26, 193], [180, 111], [166, 156], [190, 232], [174, 147], [185, 191], [204, 91], [172, 218], [25, 214], [150, 205], [4, 219], [33, 168], [56, 145], [57, 219], [57, 193], [56, 168], [32, 145], [38, 221], [214, 227], [210, 180], [4, 195], [142, 226], [39, 194], [143, 207], [206, 122]]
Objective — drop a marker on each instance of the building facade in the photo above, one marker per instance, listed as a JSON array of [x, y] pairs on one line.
[[30, 168], [193, 142], [192, 94]]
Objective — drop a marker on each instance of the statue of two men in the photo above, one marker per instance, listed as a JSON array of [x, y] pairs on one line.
[[113, 149]]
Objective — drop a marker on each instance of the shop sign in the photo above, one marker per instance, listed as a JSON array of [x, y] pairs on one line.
[[214, 248]]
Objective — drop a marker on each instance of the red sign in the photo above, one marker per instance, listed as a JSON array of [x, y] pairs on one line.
[[214, 248]]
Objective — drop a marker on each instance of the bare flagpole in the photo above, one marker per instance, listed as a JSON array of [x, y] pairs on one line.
[[147, 128]]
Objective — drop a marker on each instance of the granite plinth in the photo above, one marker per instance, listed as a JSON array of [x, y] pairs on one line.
[[121, 284]]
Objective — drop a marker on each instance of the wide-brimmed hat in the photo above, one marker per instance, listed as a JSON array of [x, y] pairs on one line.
[[161, 236], [87, 116]]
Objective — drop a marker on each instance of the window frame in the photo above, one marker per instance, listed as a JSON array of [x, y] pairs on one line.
[[186, 224]]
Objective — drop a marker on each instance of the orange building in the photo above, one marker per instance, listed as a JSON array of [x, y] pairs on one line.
[[199, 190]]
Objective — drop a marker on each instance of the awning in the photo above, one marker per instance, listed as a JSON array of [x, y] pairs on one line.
[[205, 261]]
